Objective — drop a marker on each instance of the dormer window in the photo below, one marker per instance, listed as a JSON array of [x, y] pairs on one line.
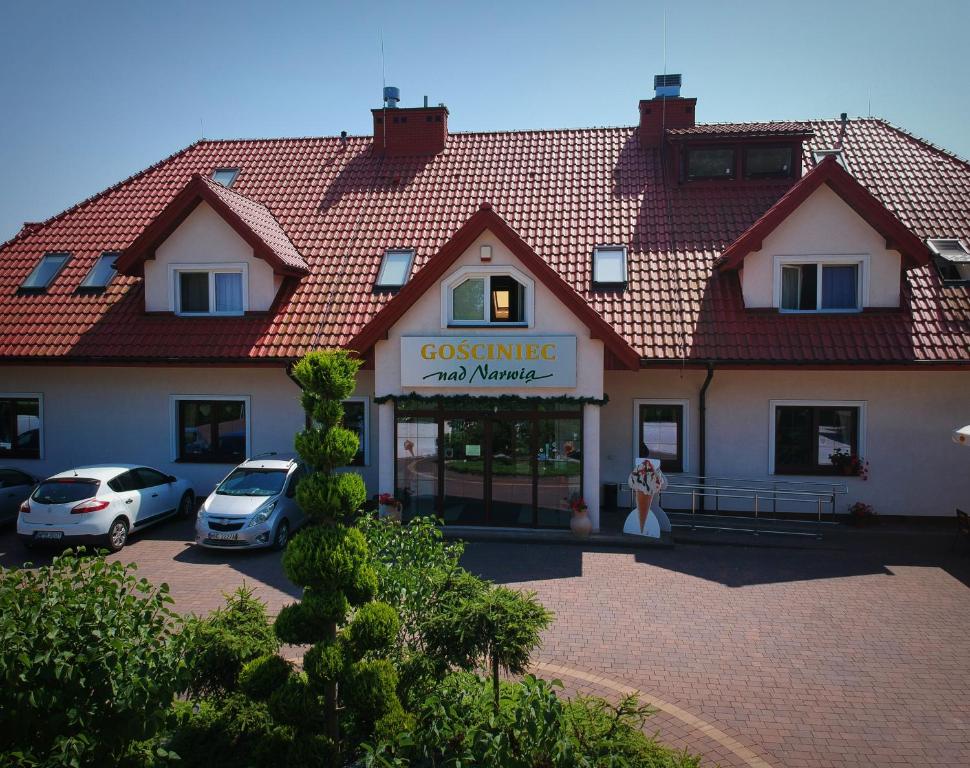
[[210, 291], [45, 272], [476, 298], [395, 268], [767, 162], [225, 176], [834, 284], [101, 273], [710, 163], [952, 258], [609, 265]]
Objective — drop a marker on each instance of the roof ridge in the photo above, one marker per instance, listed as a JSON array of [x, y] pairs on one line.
[[949, 154], [41, 225]]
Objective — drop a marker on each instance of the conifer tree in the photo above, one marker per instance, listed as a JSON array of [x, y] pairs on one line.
[[344, 670]]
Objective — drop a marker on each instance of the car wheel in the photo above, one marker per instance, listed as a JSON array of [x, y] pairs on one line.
[[186, 505], [282, 536], [118, 534]]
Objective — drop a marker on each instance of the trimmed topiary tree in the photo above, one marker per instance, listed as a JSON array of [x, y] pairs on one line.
[[333, 564]]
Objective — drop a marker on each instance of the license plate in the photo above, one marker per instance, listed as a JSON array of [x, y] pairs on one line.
[[51, 535], [222, 536]]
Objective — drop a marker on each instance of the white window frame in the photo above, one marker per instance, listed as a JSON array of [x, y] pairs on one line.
[[487, 273], [47, 255], [596, 251], [685, 448], [115, 255], [173, 406], [407, 270], [39, 397], [225, 169], [365, 446], [861, 261], [175, 270], [774, 404]]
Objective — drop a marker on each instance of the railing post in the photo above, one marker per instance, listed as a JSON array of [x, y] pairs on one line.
[[757, 521], [818, 535], [693, 507]]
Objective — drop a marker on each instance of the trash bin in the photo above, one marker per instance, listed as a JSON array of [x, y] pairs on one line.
[[611, 493]]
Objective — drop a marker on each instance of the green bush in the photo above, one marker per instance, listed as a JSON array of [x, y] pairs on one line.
[[374, 627], [260, 677], [90, 664], [226, 640]]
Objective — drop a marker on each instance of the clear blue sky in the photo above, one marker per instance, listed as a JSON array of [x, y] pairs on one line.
[[93, 91]]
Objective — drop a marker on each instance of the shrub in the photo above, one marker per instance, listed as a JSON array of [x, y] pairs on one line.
[[91, 662], [260, 677], [226, 640]]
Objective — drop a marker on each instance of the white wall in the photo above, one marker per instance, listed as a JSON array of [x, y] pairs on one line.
[[204, 238], [824, 225], [915, 469]]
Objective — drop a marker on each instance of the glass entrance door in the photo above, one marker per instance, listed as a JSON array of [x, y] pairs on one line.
[[511, 471], [463, 498]]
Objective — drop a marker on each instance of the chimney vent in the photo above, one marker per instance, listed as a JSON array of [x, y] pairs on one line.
[[667, 85], [392, 96], [667, 109]]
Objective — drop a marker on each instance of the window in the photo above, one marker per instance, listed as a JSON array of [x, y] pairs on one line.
[[805, 435], [609, 265], [225, 176], [767, 162], [357, 419], [952, 258], [102, 272], [821, 154], [660, 432], [11, 478], [45, 272], [219, 291], [820, 286], [214, 430], [20, 422], [710, 163], [491, 298], [149, 478], [395, 268]]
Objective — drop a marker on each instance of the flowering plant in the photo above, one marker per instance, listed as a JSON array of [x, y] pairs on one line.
[[849, 463], [388, 499], [577, 504], [862, 511]]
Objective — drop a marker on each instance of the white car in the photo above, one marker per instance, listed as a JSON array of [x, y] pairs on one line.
[[255, 506], [101, 505]]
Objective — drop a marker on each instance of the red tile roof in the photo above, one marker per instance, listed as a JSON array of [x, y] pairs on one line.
[[342, 206], [742, 130]]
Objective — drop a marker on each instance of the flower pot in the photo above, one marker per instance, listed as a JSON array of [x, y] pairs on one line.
[[391, 512], [581, 524]]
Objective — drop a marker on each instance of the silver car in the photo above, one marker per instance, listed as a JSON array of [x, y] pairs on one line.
[[255, 506], [15, 487]]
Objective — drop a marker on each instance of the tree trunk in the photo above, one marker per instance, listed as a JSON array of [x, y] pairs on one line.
[[330, 700], [495, 681]]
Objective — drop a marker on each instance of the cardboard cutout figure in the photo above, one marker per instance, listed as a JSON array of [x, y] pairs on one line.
[[647, 518]]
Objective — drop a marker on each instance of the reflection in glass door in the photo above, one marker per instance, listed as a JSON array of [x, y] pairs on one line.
[[560, 470], [463, 502], [416, 455], [510, 473]]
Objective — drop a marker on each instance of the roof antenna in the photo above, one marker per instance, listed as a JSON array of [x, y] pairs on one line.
[[380, 33], [869, 99], [202, 129], [663, 102]]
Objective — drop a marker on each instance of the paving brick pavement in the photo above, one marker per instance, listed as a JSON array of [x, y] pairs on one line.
[[848, 652]]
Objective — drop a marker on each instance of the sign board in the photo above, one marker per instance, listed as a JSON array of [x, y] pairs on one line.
[[488, 361]]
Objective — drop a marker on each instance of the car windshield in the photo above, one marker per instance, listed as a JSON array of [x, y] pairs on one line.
[[253, 482], [65, 491]]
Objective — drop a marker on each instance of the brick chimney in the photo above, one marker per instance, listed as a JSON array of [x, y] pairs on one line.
[[667, 109], [399, 132]]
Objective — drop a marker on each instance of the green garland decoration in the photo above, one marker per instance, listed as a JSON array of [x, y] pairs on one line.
[[488, 402]]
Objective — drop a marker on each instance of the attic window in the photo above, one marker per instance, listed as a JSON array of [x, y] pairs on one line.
[[45, 272], [767, 162], [102, 272], [710, 163], [225, 176], [952, 258], [395, 268], [609, 265], [821, 154]]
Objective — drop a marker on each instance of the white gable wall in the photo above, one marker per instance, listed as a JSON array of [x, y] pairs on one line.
[[205, 239], [823, 225]]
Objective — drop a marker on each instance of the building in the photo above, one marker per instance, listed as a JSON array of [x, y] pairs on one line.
[[534, 309]]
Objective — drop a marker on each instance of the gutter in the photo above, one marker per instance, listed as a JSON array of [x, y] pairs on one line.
[[702, 428]]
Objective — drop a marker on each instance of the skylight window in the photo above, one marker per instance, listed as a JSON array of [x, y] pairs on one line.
[[225, 176], [45, 272], [102, 272], [609, 265], [952, 258], [395, 268], [821, 154]]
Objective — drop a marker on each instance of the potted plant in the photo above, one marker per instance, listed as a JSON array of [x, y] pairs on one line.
[[390, 507], [849, 463], [861, 513], [579, 521]]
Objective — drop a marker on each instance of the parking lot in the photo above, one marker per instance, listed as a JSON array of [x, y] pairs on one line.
[[848, 652]]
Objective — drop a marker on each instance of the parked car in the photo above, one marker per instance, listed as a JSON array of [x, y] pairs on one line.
[[255, 506], [15, 486], [101, 505]]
